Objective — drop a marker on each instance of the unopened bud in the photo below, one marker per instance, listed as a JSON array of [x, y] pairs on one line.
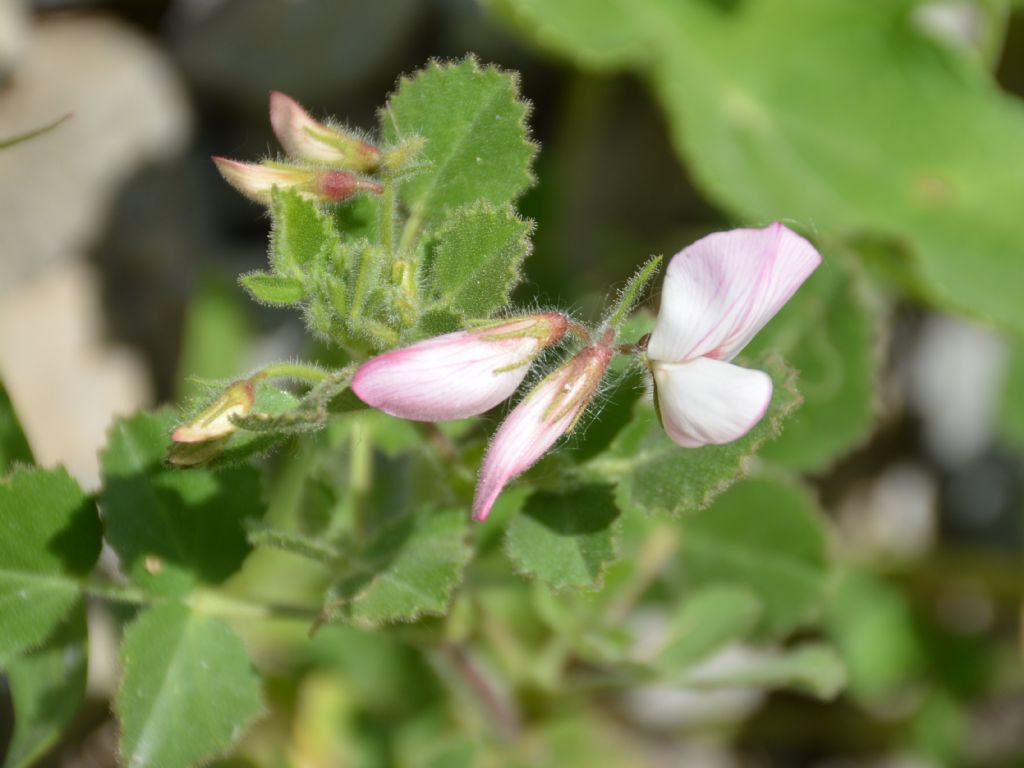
[[458, 374], [306, 139], [215, 422], [195, 454], [257, 181]]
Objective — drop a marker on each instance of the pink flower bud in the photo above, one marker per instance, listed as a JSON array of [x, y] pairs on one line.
[[459, 374], [257, 180], [215, 422], [551, 410], [306, 139]]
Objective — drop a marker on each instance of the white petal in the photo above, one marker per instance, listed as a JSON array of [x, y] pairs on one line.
[[721, 290], [708, 402]]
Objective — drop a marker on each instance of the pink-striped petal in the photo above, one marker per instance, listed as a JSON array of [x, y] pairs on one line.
[[709, 402], [721, 290], [550, 410], [459, 374]]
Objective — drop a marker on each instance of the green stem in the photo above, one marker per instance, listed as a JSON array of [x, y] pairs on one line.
[[299, 371], [360, 472], [115, 593], [630, 295], [211, 602], [387, 217], [12, 140]]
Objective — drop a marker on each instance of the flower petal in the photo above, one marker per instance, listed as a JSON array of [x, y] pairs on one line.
[[448, 377], [459, 374], [721, 290], [708, 402], [533, 426]]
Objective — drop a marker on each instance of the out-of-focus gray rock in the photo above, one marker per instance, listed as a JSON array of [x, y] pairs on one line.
[[315, 50], [953, 381], [128, 109], [65, 383], [892, 517], [14, 32]]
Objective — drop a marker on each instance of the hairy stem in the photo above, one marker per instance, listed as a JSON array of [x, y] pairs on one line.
[[630, 295]]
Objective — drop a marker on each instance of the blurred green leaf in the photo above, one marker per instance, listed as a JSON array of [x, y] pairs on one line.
[[49, 541], [47, 687], [409, 567], [830, 333], [215, 336], [172, 527], [872, 624], [13, 444], [566, 539], [766, 535], [473, 121], [758, 96], [709, 619], [477, 260], [814, 668], [1011, 412], [659, 477], [276, 290], [188, 689]]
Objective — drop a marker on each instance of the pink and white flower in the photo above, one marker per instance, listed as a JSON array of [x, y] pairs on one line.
[[313, 142], [459, 374], [718, 293], [549, 411]]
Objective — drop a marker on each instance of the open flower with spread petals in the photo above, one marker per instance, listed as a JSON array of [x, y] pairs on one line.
[[257, 180], [311, 141], [718, 293], [459, 374], [549, 411]]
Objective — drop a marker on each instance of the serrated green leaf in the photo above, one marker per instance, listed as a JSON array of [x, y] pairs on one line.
[[13, 445], [709, 619], [758, 96], [302, 235], [765, 535], [47, 687], [188, 689], [813, 668], [473, 121], [568, 539], [477, 260], [409, 567], [49, 541], [658, 477], [276, 290], [830, 333], [173, 527]]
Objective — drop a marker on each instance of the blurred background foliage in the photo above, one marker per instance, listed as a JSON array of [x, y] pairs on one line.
[[885, 521]]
